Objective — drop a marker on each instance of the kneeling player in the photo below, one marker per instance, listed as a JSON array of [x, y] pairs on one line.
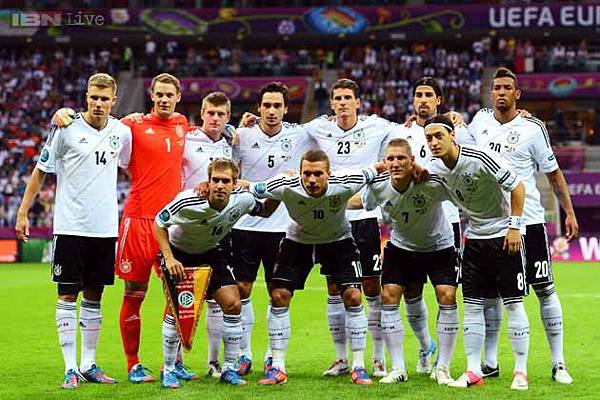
[[422, 245], [188, 231], [316, 203]]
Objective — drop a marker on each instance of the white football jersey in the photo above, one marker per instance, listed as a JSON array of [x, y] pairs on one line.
[[525, 144], [415, 135], [479, 184], [85, 161], [261, 157], [315, 220], [418, 220], [198, 152], [194, 227], [356, 148]]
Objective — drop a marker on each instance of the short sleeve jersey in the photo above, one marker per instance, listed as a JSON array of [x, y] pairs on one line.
[[418, 221], [352, 149], [315, 220], [524, 143], [155, 164], [415, 135], [200, 150], [195, 227], [85, 161], [479, 184], [261, 157]]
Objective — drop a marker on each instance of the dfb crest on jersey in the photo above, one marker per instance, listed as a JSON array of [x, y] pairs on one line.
[[419, 203], [227, 152], [513, 137], [359, 135], [114, 142], [286, 144], [335, 203], [235, 214], [468, 181]]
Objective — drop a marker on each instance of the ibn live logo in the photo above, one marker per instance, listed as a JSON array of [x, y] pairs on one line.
[[55, 18]]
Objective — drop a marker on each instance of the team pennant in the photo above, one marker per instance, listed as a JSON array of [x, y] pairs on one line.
[[186, 298]]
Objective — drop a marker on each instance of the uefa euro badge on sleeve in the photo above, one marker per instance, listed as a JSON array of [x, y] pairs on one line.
[[186, 299]]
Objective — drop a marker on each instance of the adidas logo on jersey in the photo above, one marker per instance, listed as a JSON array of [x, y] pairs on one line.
[[199, 150], [255, 145], [149, 131], [83, 140]]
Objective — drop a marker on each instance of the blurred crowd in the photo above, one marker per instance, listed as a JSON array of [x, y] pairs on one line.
[[35, 83]]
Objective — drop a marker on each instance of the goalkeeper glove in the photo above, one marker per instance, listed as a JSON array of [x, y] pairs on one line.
[[63, 117]]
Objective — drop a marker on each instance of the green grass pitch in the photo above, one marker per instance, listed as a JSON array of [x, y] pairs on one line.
[[31, 366]]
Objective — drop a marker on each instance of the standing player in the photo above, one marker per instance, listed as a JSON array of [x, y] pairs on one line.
[[422, 245], [155, 173], [269, 148], [493, 261], [84, 157], [316, 203], [189, 230], [203, 145], [524, 143], [427, 97], [352, 143]]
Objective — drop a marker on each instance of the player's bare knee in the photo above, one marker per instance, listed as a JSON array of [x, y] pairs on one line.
[[391, 294], [371, 286], [413, 291], [446, 295], [94, 294], [71, 298], [332, 288], [352, 296], [245, 289], [280, 297], [231, 305]]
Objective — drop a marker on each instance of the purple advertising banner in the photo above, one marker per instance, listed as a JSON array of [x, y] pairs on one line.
[[584, 188], [576, 85], [584, 248], [238, 89], [242, 22]]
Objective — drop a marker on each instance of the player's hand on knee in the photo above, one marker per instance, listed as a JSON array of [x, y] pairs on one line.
[[512, 241], [22, 228], [63, 117], [248, 120], [175, 269], [410, 120]]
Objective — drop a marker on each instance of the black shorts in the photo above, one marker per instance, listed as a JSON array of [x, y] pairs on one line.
[[295, 260], [368, 240], [217, 258], [85, 262], [539, 261], [489, 270], [457, 235], [403, 267], [249, 249]]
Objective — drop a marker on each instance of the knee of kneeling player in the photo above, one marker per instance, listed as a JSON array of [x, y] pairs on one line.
[[352, 296], [389, 298], [280, 297], [231, 306], [446, 296], [245, 289], [371, 286]]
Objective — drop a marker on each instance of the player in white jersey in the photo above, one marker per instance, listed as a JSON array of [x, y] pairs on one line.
[[203, 145], [524, 143], [189, 230], [479, 181], [427, 97], [421, 245], [269, 148], [84, 157], [353, 142], [316, 203]]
